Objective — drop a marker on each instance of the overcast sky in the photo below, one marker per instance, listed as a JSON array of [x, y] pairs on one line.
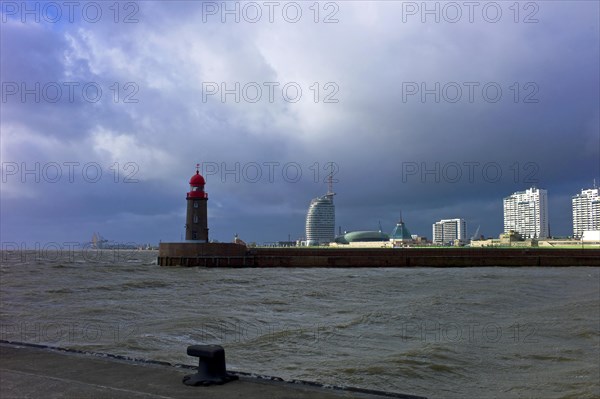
[[436, 110]]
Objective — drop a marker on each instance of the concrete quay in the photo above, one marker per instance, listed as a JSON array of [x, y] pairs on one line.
[[35, 371]]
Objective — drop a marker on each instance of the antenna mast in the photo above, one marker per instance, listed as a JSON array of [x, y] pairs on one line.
[[330, 181]]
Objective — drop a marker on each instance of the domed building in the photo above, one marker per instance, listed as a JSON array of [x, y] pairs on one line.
[[375, 239], [362, 236]]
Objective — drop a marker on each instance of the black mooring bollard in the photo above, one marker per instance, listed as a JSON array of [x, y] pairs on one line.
[[211, 366]]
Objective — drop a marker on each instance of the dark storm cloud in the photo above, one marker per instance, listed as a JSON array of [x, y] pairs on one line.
[[396, 149]]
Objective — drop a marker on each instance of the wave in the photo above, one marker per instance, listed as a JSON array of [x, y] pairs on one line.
[[144, 284]]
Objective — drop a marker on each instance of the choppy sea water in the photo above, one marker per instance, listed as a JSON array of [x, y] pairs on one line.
[[435, 332]]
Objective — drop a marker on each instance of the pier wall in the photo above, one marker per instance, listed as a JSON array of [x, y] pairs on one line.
[[424, 257], [202, 254], [234, 255]]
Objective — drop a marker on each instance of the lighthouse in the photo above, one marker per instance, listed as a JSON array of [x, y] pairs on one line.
[[196, 223]]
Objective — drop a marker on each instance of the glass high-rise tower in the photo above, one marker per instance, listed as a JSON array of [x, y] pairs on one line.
[[320, 220]]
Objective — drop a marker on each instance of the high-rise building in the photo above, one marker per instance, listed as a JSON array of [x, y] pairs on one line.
[[586, 212], [447, 230], [320, 220], [526, 212]]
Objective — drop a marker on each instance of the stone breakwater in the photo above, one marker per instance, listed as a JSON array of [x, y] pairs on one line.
[[234, 255]]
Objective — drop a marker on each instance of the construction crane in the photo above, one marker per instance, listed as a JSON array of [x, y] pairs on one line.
[[476, 233], [380, 229]]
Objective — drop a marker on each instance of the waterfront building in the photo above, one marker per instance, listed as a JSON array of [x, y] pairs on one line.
[[586, 212], [526, 212], [362, 236], [320, 220], [401, 233], [449, 230], [196, 223]]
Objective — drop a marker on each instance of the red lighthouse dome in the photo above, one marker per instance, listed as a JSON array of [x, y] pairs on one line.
[[197, 180], [197, 183]]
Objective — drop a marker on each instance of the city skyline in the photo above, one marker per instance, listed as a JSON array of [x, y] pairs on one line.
[[518, 220], [103, 118], [320, 221], [528, 215]]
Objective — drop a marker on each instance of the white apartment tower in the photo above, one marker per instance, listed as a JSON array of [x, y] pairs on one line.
[[526, 212], [586, 212], [448, 230]]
